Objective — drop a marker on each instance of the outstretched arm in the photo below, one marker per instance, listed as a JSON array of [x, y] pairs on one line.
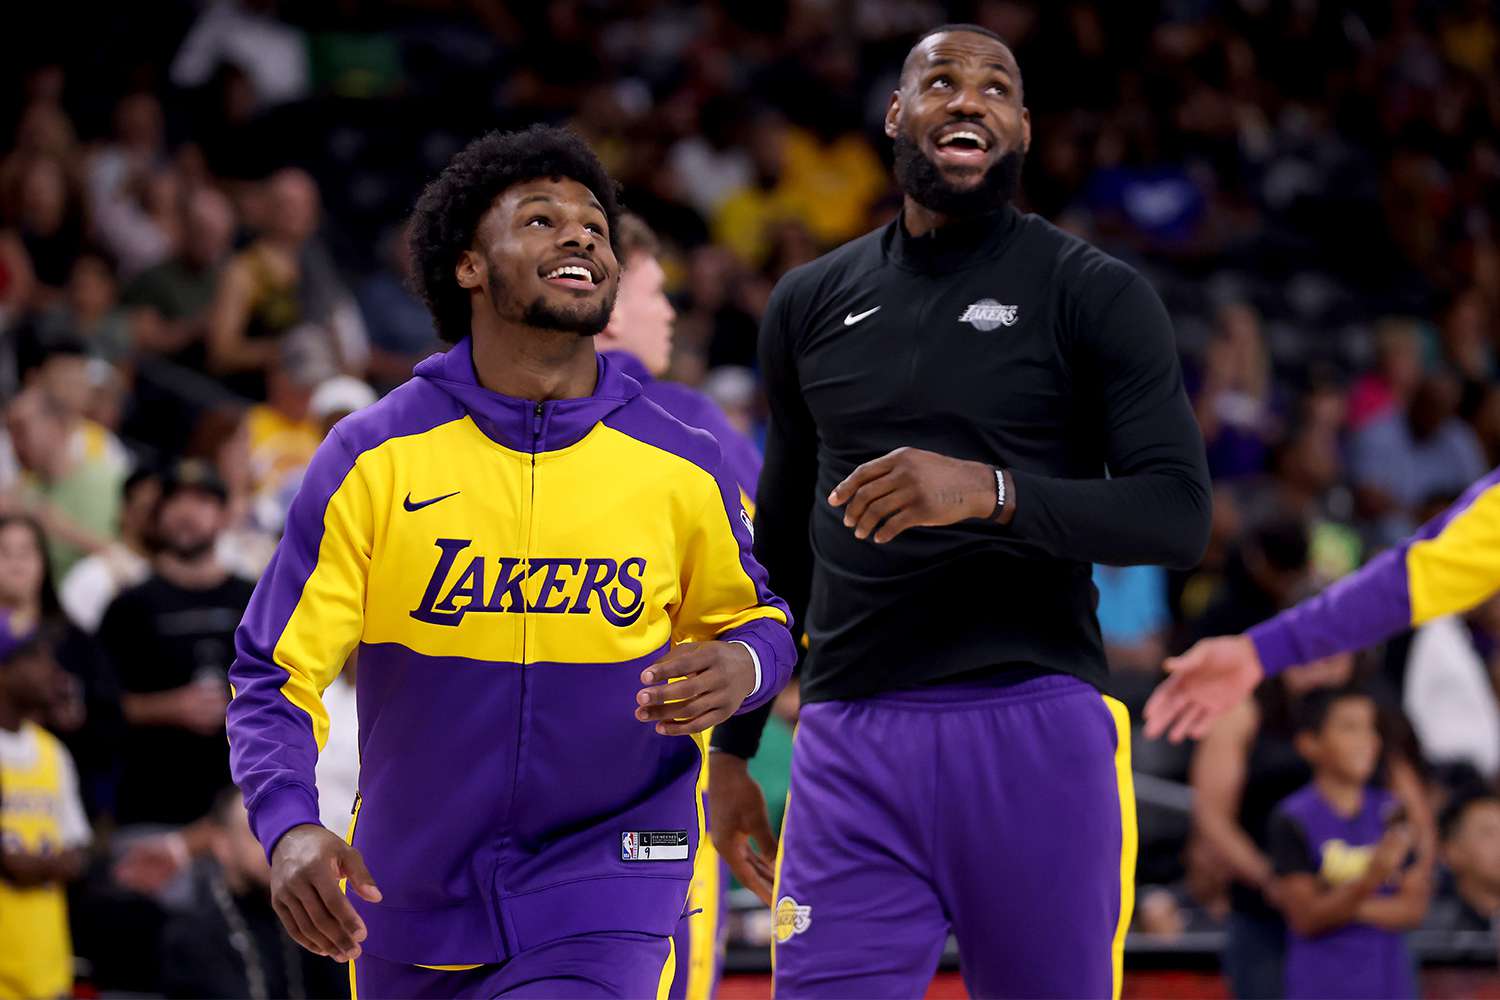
[[1451, 564]]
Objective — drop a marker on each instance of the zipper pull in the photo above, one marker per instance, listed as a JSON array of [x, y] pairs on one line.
[[536, 429]]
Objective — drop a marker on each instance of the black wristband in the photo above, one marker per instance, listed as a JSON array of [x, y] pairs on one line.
[[999, 494]]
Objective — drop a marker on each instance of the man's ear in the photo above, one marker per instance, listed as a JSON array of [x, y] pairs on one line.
[[892, 114], [470, 270], [1025, 130]]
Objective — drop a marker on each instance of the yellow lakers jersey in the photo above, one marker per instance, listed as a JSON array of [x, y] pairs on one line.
[[36, 953]]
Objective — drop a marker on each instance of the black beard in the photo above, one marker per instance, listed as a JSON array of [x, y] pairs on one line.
[[920, 178], [543, 315], [190, 551]]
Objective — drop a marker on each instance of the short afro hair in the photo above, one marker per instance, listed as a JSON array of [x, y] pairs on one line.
[[448, 212], [1315, 706]]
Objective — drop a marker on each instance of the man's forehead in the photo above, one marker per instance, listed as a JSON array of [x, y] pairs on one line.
[[963, 47], [558, 190]]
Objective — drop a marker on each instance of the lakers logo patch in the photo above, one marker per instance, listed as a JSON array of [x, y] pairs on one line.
[[791, 919], [987, 314]]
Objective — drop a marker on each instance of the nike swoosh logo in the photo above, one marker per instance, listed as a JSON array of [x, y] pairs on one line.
[[853, 318], [426, 503]]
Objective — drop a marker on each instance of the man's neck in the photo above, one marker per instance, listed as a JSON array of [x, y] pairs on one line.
[[920, 220], [1345, 797], [526, 363], [1482, 899], [201, 573]]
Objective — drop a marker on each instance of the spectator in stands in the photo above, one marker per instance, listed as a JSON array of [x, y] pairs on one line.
[[1233, 401], [1468, 346], [89, 310], [1305, 483], [16, 277], [1340, 848], [734, 389], [69, 376], [76, 498], [1449, 689], [1398, 369], [171, 641], [48, 213], [222, 438], [1133, 615], [96, 580], [176, 294], [1199, 902], [283, 434], [43, 831], [280, 281], [229, 942], [400, 327], [745, 215], [1409, 457], [711, 162], [1469, 897], [1240, 772], [85, 712], [133, 193]]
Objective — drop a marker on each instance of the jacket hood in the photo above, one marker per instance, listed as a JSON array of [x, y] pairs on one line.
[[517, 423]]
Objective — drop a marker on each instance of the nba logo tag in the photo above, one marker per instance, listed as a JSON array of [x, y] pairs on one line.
[[630, 847]]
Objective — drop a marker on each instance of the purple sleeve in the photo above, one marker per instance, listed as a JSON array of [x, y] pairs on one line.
[[1363, 608], [770, 639], [276, 716]]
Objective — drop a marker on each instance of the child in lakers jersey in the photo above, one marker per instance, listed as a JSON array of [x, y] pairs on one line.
[[42, 828], [1339, 846]]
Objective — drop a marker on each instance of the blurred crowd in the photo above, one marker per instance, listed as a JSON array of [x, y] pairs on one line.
[[202, 268]]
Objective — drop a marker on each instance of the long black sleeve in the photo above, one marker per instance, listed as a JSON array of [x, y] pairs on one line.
[[1156, 505], [783, 500], [1000, 340]]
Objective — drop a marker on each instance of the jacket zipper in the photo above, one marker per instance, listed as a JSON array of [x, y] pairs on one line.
[[536, 441], [515, 778]]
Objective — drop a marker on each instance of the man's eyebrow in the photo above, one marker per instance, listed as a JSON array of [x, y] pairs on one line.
[[593, 202], [951, 61]]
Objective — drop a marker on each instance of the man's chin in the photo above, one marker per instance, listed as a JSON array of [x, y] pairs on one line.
[[587, 319]]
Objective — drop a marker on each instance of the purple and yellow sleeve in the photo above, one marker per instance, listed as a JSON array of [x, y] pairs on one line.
[[1451, 564], [725, 595], [305, 618]]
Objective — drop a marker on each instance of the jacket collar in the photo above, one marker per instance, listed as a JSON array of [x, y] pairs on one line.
[[525, 424]]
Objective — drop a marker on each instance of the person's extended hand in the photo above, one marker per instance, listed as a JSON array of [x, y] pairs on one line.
[[1202, 684], [910, 488], [741, 827], [306, 867], [717, 677]]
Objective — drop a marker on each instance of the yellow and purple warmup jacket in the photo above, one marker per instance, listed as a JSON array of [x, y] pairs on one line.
[[1451, 564], [505, 569]]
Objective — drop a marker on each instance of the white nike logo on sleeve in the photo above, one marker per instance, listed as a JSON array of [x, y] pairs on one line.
[[853, 318]]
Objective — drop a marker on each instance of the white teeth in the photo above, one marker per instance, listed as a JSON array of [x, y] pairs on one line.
[[571, 271], [978, 140]]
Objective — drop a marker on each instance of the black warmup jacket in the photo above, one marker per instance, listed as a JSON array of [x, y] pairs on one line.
[[1002, 340]]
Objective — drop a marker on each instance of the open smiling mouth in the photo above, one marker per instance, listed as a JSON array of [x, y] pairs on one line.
[[573, 274], [959, 144]]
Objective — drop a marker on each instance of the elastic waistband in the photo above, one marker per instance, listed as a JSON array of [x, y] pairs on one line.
[[984, 693]]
